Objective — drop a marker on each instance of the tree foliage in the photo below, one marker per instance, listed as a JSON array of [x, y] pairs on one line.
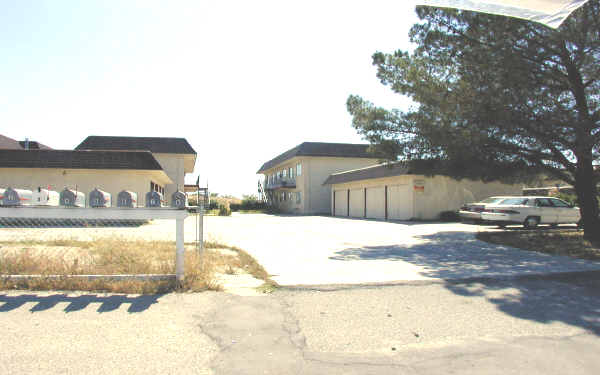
[[495, 97]]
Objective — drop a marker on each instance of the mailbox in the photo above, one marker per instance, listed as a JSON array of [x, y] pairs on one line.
[[178, 200], [127, 199], [44, 197], [16, 197], [72, 198], [154, 199], [99, 198]]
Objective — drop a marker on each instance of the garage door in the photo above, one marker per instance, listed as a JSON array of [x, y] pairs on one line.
[[341, 203], [357, 203], [376, 203], [400, 203]]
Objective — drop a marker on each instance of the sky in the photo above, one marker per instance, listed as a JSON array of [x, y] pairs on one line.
[[241, 81]]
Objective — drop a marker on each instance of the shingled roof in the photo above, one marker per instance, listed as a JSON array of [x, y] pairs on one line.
[[152, 144], [138, 160], [376, 171], [340, 150]]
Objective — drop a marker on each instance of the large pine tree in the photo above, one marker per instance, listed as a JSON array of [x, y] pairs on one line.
[[495, 96]]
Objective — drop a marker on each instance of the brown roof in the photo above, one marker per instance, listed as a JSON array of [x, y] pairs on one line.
[[153, 144], [376, 171], [137, 160], [340, 150], [9, 143]]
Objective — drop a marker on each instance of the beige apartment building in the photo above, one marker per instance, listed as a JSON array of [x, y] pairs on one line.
[[294, 180], [112, 164], [393, 192]]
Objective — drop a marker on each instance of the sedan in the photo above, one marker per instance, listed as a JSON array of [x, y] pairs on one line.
[[472, 211], [531, 211]]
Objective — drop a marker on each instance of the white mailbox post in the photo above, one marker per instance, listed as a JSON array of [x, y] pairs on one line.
[[179, 215]]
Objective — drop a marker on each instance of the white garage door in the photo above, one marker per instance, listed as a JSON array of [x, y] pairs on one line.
[[357, 203], [341, 203], [400, 205], [376, 203]]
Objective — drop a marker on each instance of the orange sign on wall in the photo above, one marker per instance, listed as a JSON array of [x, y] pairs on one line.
[[419, 186]]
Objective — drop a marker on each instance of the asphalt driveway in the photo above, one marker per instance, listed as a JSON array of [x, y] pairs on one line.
[[313, 250]]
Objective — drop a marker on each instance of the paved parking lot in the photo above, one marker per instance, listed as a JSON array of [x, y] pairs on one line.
[[311, 250], [327, 250]]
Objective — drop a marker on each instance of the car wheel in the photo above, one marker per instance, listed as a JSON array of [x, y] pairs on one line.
[[531, 222]]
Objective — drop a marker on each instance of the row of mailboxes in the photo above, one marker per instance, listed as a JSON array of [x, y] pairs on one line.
[[96, 199]]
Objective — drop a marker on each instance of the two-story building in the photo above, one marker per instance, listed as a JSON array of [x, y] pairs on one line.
[[294, 180]]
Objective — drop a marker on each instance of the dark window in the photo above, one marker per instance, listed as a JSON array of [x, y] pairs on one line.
[[543, 202], [559, 203]]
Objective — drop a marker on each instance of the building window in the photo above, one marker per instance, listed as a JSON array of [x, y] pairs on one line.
[[298, 169], [291, 172], [284, 173], [283, 196], [298, 197]]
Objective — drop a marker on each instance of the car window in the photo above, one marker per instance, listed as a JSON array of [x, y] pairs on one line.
[[559, 203], [543, 202], [514, 202], [490, 200]]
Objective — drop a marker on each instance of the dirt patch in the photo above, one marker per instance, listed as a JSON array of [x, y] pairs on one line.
[[556, 242]]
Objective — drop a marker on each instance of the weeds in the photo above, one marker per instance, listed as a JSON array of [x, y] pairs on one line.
[[56, 262]]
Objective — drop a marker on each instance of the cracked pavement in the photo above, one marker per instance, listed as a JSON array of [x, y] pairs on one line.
[[534, 325]]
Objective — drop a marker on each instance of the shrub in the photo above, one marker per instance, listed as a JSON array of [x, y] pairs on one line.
[[224, 209], [449, 216]]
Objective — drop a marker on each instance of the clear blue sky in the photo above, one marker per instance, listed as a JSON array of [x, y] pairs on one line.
[[242, 81]]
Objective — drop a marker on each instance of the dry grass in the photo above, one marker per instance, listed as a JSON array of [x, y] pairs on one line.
[[556, 242], [117, 257]]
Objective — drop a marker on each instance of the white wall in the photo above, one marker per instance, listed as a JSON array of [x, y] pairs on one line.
[[173, 165]]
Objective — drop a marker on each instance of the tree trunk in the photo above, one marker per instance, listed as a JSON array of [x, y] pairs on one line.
[[587, 195]]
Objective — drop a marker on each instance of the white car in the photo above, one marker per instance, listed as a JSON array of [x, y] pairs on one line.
[[472, 211], [531, 211]]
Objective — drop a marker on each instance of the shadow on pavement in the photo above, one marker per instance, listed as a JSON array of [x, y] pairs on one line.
[[76, 303], [456, 257]]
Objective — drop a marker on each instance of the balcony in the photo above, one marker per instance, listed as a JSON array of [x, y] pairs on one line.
[[281, 183]]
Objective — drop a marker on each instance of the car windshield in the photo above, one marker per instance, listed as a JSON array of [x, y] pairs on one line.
[[514, 201]]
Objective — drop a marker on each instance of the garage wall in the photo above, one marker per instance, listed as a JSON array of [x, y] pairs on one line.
[[443, 193], [439, 194], [111, 180]]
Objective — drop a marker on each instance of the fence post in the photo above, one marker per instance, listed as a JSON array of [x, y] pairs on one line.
[[180, 253]]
